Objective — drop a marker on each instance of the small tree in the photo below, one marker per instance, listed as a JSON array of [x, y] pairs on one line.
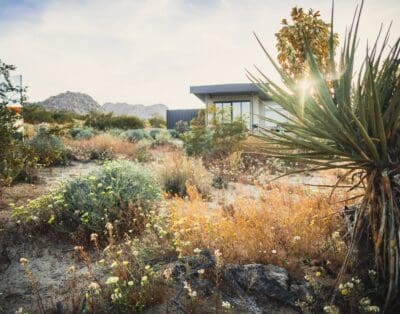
[[7, 117], [292, 42]]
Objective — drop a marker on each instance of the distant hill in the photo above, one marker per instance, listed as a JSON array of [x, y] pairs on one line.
[[71, 101], [141, 111]]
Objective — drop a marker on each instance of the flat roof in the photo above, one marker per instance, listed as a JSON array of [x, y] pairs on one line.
[[226, 89]]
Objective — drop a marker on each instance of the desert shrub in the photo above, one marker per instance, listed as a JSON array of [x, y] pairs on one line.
[[126, 122], [227, 136], [179, 171], [173, 133], [115, 132], [36, 114], [286, 225], [135, 135], [155, 132], [98, 120], [49, 149], [102, 146], [118, 193], [143, 153], [19, 164], [198, 141], [105, 121], [219, 182], [162, 138], [82, 132], [181, 127], [219, 139], [157, 122]]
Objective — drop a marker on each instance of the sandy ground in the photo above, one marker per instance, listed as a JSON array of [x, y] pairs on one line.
[[49, 260]]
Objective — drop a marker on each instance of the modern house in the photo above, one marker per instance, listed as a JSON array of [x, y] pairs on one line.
[[238, 100]]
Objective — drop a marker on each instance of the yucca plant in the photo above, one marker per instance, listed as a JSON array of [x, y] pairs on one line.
[[348, 121]]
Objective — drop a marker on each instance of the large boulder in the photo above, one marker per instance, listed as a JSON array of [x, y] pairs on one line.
[[266, 283]]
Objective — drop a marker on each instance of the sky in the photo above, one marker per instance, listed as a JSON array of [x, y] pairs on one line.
[[152, 51]]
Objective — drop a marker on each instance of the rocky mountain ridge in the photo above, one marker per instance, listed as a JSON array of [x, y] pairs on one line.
[[141, 111], [83, 104]]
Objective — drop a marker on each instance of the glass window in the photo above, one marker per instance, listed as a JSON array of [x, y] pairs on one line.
[[236, 110], [228, 111], [246, 113]]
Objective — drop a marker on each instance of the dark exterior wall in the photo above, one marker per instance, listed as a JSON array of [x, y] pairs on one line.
[[173, 116]]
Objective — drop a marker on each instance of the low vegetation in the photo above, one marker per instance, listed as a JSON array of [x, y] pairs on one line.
[[102, 146], [179, 171], [105, 121], [82, 132], [219, 139], [119, 193], [36, 114], [285, 226], [49, 149]]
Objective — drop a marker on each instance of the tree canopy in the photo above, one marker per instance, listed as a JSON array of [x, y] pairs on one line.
[[291, 43]]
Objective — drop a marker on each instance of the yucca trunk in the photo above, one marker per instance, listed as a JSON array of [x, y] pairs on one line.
[[381, 206]]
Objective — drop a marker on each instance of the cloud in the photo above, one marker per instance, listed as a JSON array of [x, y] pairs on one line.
[[152, 51]]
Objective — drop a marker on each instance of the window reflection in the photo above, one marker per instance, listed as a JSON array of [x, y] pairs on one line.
[[229, 111]]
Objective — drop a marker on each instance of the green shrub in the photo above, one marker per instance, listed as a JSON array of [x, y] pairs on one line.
[[219, 139], [198, 142], [173, 133], [155, 132], [181, 127], [157, 122], [35, 114], [126, 122], [143, 150], [82, 133], [135, 135], [105, 121], [219, 182], [162, 138], [118, 193], [49, 149], [19, 164]]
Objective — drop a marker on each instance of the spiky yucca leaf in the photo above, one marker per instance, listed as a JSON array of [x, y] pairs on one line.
[[351, 122]]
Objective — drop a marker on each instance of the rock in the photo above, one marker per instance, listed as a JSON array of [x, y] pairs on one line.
[[71, 101], [265, 283]]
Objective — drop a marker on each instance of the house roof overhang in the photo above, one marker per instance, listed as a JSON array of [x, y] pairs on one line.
[[227, 89]]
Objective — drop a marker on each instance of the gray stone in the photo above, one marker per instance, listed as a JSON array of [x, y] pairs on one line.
[[266, 283]]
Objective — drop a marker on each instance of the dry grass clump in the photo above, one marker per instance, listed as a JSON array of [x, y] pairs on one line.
[[179, 170], [102, 146], [286, 225]]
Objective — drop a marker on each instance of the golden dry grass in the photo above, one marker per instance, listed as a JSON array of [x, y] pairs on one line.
[[285, 226], [104, 144]]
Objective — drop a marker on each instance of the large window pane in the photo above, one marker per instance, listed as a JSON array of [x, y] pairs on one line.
[[246, 113], [236, 110]]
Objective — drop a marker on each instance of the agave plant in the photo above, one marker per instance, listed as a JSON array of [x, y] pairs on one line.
[[348, 121]]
